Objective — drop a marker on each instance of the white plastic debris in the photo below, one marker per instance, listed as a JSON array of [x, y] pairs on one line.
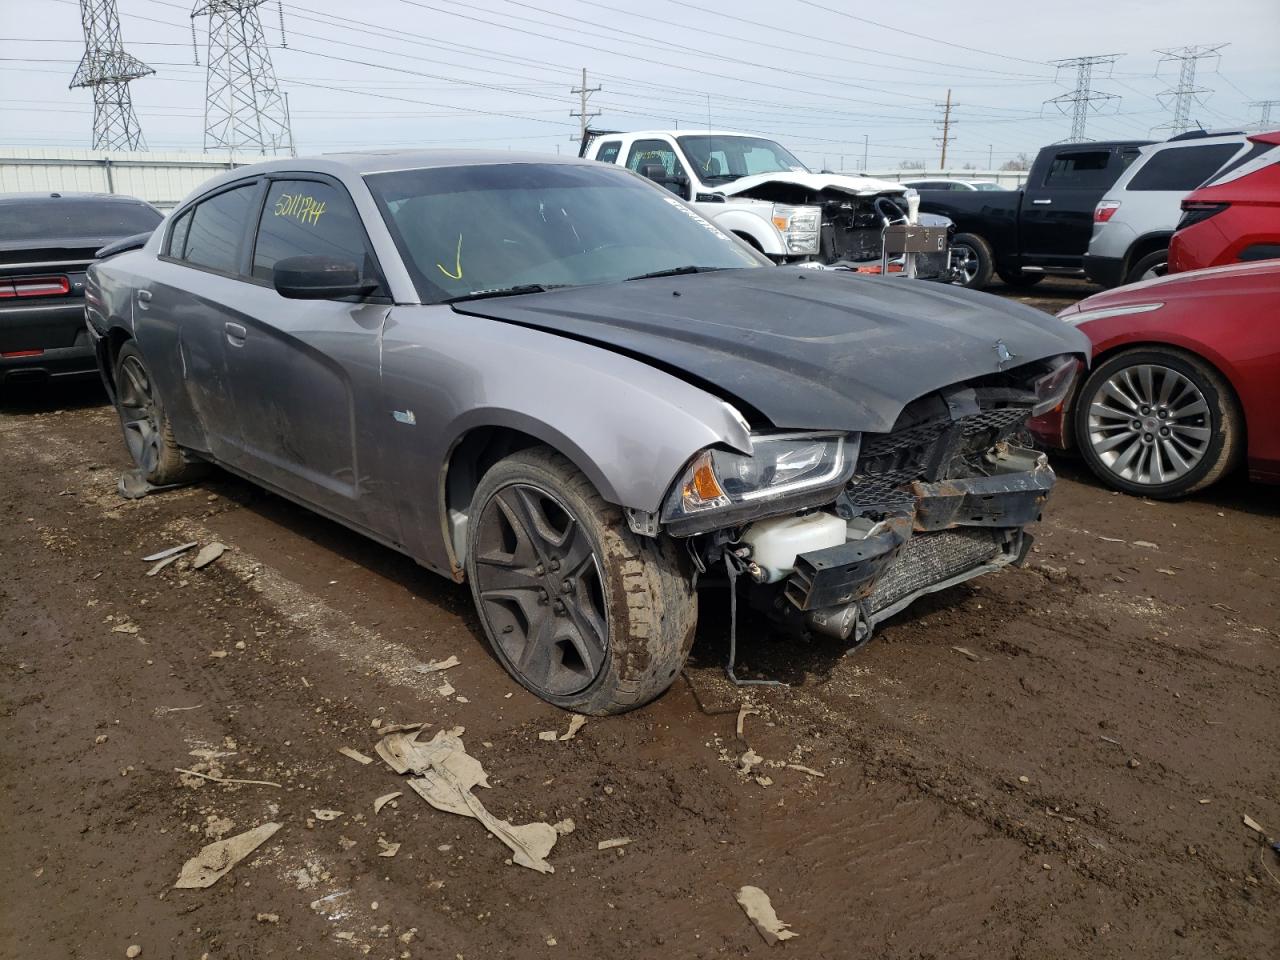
[[759, 910], [208, 554], [355, 755], [435, 666], [388, 849], [326, 814], [170, 552], [616, 842], [383, 800], [216, 860], [447, 774]]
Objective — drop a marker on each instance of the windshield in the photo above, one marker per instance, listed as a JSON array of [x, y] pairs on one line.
[[721, 159], [464, 231]]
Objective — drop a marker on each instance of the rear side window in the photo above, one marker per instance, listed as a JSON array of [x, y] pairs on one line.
[[74, 218], [178, 235], [310, 218], [1081, 170], [1182, 168], [608, 152], [217, 229]]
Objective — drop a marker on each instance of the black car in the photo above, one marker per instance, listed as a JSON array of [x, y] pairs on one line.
[[1021, 235], [47, 241]]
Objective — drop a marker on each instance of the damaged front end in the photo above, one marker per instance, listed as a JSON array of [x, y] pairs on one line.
[[851, 226], [943, 497]]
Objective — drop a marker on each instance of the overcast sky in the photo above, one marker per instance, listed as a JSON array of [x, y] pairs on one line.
[[497, 73]]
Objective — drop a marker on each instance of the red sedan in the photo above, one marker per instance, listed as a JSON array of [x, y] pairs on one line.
[[1236, 215], [1185, 381]]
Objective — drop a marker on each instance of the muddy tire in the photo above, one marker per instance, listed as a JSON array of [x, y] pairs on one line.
[[973, 260], [148, 434], [578, 609], [1158, 422]]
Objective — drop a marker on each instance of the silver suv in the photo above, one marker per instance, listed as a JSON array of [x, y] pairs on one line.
[[1134, 221]]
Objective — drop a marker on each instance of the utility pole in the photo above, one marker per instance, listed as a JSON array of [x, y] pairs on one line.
[[1083, 98], [107, 69], [866, 145], [990, 156], [1264, 112], [1186, 92], [243, 109], [583, 116], [946, 128]]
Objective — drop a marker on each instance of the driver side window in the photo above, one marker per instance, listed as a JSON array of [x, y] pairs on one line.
[[310, 218], [650, 153]]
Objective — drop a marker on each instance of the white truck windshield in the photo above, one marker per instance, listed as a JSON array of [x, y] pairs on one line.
[[721, 159]]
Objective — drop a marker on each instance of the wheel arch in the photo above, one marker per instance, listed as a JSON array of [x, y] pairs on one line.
[[476, 449], [1146, 244]]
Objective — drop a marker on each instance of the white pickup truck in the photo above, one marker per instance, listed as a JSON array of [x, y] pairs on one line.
[[754, 188]]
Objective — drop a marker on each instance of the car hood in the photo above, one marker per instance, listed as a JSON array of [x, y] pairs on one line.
[[807, 349], [817, 182]]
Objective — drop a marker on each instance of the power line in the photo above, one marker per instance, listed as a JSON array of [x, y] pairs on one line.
[[107, 70], [1186, 92], [1083, 98], [921, 36]]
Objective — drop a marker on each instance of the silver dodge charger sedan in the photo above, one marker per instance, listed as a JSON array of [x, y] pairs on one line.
[[556, 381]]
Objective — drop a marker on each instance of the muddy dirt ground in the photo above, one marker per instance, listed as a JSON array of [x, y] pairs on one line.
[[1051, 762]]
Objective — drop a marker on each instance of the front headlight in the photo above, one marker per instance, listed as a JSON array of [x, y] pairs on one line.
[[785, 470], [1053, 387], [800, 227]]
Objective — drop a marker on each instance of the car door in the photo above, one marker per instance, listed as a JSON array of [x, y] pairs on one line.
[[1056, 219], [300, 370], [182, 312]]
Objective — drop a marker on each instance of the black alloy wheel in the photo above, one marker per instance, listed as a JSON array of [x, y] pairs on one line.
[[540, 588]]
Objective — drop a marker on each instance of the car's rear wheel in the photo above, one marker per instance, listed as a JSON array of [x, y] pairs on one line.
[[580, 610], [972, 260], [1158, 422], [148, 434], [1149, 267]]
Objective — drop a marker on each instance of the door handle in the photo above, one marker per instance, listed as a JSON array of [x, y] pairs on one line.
[[235, 334], [144, 297], [1045, 200]]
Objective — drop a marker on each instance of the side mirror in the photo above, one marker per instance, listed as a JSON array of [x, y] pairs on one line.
[[319, 278], [654, 171]]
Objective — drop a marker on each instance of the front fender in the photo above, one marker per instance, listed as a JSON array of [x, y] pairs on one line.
[[753, 225], [629, 426]]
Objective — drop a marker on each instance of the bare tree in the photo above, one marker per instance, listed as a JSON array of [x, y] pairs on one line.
[[1020, 162]]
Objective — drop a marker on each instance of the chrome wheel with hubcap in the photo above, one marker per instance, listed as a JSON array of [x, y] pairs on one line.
[[1149, 424]]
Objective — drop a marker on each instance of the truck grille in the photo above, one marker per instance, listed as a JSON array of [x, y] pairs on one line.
[[928, 558]]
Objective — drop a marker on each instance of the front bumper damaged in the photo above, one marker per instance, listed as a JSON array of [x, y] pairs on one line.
[[932, 536]]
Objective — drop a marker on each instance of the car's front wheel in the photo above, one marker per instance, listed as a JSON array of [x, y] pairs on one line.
[[1158, 422], [148, 434], [578, 608]]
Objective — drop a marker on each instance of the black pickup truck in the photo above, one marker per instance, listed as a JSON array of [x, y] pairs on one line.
[[1021, 235]]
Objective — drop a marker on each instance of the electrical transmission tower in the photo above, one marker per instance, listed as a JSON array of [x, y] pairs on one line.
[[243, 110], [581, 113], [1186, 92], [108, 69], [1083, 98], [1264, 112], [947, 123]]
